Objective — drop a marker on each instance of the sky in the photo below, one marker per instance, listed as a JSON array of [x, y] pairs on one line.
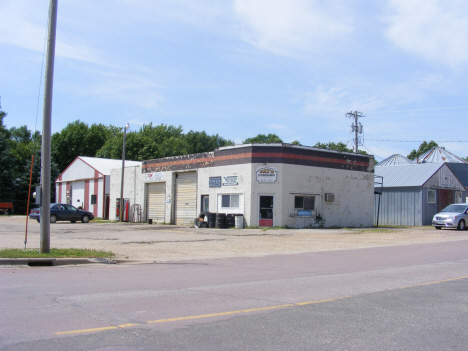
[[239, 68]]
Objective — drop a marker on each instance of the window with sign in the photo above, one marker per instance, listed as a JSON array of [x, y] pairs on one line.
[[458, 197], [304, 202]]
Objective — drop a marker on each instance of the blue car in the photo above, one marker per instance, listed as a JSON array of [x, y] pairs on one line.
[[63, 212]]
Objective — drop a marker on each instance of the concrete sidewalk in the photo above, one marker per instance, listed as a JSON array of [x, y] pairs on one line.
[[33, 262]]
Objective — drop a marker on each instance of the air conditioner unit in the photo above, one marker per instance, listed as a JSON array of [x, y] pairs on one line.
[[329, 197]]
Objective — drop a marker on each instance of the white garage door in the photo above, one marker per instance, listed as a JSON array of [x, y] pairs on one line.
[[186, 198], [155, 202], [77, 193]]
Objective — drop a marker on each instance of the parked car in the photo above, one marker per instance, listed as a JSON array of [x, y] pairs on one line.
[[63, 212], [453, 216]]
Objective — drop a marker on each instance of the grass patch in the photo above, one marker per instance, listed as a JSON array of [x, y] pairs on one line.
[[100, 220], [370, 230], [55, 253], [266, 228]]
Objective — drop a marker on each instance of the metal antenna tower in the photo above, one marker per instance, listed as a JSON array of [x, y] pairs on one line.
[[356, 127]]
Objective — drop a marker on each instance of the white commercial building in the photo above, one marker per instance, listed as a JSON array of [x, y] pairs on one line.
[[269, 184], [85, 183]]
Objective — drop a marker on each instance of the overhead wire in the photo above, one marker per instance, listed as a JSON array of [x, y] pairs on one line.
[[42, 69], [419, 141], [425, 109]]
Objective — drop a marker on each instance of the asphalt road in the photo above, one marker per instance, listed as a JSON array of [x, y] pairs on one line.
[[411, 297]]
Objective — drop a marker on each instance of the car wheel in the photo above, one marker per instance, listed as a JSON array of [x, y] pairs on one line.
[[53, 218], [438, 227], [85, 219], [38, 220], [461, 225]]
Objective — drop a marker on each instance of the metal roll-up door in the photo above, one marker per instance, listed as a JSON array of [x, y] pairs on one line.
[[186, 198], [155, 202]]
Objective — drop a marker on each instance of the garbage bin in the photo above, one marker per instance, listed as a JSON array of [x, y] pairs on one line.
[[239, 221]]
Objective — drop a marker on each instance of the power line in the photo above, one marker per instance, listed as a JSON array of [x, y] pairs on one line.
[[426, 109], [419, 141], [372, 152], [434, 114], [42, 68]]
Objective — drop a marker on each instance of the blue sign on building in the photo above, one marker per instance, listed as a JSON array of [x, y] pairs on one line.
[[215, 182]]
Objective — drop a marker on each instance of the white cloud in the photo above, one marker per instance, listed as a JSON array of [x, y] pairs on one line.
[[279, 127], [20, 25], [294, 26], [334, 102], [128, 86], [435, 30]]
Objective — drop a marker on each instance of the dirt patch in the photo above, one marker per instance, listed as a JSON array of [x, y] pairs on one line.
[[170, 243]]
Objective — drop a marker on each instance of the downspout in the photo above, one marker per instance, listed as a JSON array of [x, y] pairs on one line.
[[134, 186]]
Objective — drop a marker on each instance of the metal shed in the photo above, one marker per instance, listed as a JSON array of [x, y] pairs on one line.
[[413, 193]]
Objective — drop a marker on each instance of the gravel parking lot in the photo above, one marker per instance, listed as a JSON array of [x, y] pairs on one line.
[[157, 243]]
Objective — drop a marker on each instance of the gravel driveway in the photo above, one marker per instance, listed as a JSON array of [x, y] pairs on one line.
[[159, 243]]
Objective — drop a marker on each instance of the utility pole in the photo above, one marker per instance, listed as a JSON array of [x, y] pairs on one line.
[[121, 203], [46, 131], [355, 127]]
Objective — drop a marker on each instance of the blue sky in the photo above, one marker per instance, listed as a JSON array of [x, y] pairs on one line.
[[243, 67]]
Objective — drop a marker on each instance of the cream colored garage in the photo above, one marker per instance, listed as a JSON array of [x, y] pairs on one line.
[[185, 198], [155, 204]]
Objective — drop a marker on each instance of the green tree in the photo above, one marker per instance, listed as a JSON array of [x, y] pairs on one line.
[[337, 147], [296, 142], [196, 142], [79, 139], [424, 147], [6, 163], [263, 139], [159, 141], [154, 142]]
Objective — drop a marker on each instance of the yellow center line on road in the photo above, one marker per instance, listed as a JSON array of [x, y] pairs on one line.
[[228, 313]]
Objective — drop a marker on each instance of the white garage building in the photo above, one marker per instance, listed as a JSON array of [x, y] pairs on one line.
[[269, 184], [85, 183]]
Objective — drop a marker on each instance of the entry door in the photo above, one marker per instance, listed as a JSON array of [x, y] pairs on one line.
[[205, 202], [446, 198], [266, 211]]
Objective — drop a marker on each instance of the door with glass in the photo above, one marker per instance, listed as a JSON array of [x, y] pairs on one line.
[[266, 211]]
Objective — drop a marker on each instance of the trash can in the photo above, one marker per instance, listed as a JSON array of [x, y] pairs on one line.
[[150, 221], [239, 221]]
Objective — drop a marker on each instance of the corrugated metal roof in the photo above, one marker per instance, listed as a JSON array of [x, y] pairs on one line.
[[406, 175], [439, 155], [395, 160], [104, 165]]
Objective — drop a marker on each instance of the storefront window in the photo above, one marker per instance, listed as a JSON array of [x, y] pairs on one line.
[[305, 202], [230, 201]]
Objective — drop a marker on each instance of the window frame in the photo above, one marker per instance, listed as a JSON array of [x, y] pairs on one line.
[[431, 191], [93, 197], [303, 208], [230, 200]]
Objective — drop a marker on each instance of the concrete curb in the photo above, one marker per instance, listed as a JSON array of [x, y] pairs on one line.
[[52, 261]]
